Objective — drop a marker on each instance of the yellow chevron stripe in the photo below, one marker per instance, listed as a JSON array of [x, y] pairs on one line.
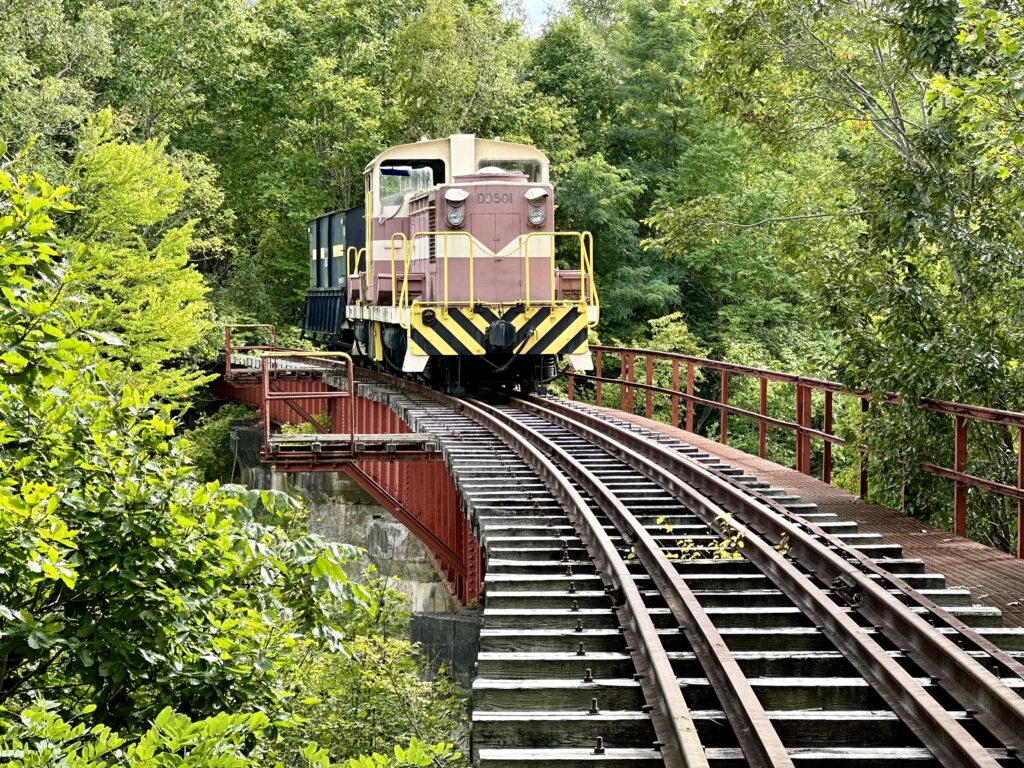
[[439, 344], [519, 321], [541, 330], [558, 345], [477, 319], [456, 330]]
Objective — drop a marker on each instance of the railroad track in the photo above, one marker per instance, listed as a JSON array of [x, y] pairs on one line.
[[614, 635]]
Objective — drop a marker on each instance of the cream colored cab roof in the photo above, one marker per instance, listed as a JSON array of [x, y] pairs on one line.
[[461, 154]]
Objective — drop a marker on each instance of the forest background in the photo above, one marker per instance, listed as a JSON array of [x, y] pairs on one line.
[[832, 189]]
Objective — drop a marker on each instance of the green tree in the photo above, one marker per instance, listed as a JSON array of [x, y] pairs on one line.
[[42, 739], [127, 583], [745, 224], [374, 695], [134, 263], [52, 57], [925, 302], [571, 62], [454, 68]]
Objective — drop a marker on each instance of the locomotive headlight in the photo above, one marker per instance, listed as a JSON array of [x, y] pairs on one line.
[[536, 216], [456, 216]]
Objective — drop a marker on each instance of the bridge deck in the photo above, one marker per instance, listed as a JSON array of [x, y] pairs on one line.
[[994, 578]]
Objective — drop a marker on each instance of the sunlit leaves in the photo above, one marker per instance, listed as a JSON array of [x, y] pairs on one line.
[[42, 738], [121, 577]]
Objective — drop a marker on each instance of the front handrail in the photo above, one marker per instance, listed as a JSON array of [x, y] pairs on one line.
[[400, 296], [404, 301], [586, 265], [405, 263]]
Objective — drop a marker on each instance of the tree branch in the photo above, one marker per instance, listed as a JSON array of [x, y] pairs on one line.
[[777, 219]]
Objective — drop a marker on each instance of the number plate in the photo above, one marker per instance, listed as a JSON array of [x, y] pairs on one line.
[[494, 198]]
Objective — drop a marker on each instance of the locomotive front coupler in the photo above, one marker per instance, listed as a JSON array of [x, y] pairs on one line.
[[501, 335]]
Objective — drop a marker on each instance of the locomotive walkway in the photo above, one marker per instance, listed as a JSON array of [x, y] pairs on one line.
[[651, 598]]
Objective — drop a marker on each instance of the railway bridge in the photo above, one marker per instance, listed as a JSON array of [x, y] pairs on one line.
[[651, 597]]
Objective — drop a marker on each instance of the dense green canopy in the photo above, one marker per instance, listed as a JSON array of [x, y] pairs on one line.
[[829, 188]]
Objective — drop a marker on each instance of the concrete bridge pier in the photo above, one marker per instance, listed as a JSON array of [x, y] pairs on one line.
[[341, 511]]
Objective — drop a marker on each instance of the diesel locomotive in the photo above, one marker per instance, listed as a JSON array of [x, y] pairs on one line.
[[452, 271]]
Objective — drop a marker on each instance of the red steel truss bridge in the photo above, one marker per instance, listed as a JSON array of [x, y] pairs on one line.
[[654, 598]]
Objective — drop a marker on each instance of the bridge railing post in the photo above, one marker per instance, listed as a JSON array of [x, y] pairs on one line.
[[623, 367], [675, 393], [826, 461], [960, 465], [803, 421], [1020, 484], [649, 399], [689, 402], [599, 372], [723, 414], [863, 450], [762, 426], [631, 379], [227, 352]]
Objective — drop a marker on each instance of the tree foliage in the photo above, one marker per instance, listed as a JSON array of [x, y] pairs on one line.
[[132, 592], [831, 187], [126, 583]]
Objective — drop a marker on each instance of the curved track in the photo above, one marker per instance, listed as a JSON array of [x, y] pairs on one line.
[[645, 608]]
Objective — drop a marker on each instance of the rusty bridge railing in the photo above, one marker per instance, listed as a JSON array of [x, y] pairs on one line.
[[684, 400], [232, 347]]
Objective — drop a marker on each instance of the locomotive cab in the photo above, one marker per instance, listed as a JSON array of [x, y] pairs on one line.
[[462, 277]]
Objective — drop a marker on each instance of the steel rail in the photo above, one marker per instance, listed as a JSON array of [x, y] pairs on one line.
[[760, 743], [1002, 659], [670, 715], [678, 741], [699, 487], [854, 556], [965, 678]]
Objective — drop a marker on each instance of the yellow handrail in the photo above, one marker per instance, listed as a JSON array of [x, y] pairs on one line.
[[408, 260], [588, 294], [587, 244], [400, 243], [405, 260]]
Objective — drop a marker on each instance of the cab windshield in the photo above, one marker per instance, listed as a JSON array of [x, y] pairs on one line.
[[530, 168], [396, 182]]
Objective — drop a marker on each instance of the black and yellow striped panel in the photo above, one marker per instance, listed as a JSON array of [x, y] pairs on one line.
[[540, 330], [451, 333]]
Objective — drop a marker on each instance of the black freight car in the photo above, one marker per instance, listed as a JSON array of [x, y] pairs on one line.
[[336, 249]]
